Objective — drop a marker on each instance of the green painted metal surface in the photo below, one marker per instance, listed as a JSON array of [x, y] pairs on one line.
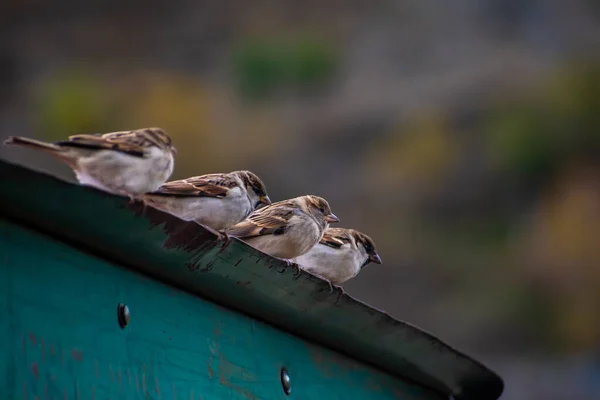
[[186, 256], [61, 338]]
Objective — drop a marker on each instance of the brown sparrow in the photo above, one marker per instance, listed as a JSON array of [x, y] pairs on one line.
[[218, 201], [128, 163], [340, 255], [288, 228]]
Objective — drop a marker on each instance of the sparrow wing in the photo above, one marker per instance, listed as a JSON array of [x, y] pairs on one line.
[[212, 185], [133, 142], [270, 220], [335, 238]]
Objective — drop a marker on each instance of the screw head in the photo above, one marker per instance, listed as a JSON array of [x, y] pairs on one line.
[[123, 315], [285, 381]]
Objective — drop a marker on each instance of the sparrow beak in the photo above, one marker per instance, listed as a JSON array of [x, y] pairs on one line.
[[331, 218], [374, 258], [265, 200]]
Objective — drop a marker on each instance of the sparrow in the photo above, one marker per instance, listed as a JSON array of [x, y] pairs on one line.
[[340, 255], [288, 228], [127, 163], [218, 201]]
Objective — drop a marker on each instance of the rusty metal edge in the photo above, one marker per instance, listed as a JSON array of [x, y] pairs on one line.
[[329, 318]]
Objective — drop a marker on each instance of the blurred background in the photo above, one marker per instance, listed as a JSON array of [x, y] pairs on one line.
[[463, 136]]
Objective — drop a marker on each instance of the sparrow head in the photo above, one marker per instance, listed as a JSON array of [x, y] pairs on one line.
[[255, 187], [369, 247], [160, 138], [319, 208]]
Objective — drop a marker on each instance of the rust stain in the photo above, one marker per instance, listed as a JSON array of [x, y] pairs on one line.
[[93, 392], [244, 392], [217, 331], [25, 391], [46, 395], [77, 354], [129, 377], [32, 338], [226, 370], [157, 385], [43, 349], [35, 370], [174, 389], [52, 349], [112, 375], [65, 395], [192, 395], [211, 372], [137, 382], [120, 377], [62, 357]]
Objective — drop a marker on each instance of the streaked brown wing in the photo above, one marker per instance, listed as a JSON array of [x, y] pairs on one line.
[[213, 185], [266, 221], [336, 238], [130, 142]]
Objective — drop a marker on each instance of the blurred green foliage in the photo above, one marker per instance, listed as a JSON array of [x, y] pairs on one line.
[[534, 135], [259, 68], [73, 103], [262, 66]]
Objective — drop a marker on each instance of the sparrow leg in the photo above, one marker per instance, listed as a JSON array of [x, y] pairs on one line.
[[291, 264], [342, 292], [331, 286], [221, 236], [225, 237]]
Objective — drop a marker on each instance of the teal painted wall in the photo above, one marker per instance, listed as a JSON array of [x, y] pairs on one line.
[[60, 338]]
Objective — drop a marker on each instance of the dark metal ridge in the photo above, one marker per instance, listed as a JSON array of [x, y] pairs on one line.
[[240, 277]]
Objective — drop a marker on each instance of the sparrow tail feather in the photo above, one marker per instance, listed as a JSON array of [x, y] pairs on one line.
[[36, 144]]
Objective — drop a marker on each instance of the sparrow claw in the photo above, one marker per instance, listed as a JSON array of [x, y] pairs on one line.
[[330, 284], [293, 265], [226, 238], [342, 292], [131, 200]]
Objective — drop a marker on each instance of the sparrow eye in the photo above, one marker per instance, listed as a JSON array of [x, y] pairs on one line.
[[322, 210]]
